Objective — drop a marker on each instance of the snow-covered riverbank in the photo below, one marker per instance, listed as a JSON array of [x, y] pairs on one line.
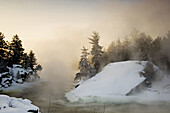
[[15, 105], [115, 81]]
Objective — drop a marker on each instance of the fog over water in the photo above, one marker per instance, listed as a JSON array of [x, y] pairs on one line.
[[57, 30]]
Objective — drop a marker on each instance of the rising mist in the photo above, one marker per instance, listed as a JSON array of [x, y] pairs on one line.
[[57, 30]]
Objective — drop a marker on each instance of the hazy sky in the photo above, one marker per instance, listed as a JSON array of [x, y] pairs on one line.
[[57, 29]]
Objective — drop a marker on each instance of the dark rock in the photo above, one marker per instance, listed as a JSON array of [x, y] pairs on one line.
[[139, 88], [33, 111], [3, 69], [77, 85]]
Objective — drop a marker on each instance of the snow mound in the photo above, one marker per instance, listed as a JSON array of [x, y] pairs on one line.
[[115, 80], [15, 105], [160, 90]]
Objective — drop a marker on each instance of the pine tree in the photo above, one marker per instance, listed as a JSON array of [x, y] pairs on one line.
[[18, 50], [32, 60], [118, 50], [143, 46], [96, 50], [111, 52], [165, 55], [38, 68], [3, 50], [104, 59], [25, 62], [126, 49], [84, 66]]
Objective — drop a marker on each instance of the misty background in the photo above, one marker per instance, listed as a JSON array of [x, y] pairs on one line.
[[56, 30]]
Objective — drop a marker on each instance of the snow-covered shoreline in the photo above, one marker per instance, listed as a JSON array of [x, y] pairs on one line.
[[115, 81], [15, 105], [20, 87]]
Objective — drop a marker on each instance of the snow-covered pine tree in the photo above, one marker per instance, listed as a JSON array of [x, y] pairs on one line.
[[96, 50], [84, 66]]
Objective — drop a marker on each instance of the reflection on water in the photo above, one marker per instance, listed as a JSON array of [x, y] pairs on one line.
[[53, 101]]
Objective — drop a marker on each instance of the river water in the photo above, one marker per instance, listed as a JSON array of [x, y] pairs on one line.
[[50, 100]]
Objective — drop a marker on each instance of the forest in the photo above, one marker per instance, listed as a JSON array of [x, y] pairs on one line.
[[16, 66], [135, 46], [13, 53]]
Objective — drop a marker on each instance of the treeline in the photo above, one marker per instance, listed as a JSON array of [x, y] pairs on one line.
[[13, 53], [135, 46]]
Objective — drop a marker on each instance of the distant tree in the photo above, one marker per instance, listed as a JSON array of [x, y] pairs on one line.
[[134, 33], [18, 50], [111, 52], [104, 59], [143, 46], [25, 62], [96, 50], [32, 60], [156, 45], [155, 54], [126, 49], [3, 50], [38, 68], [118, 51], [165, 54], [84, 66], [149, 72]]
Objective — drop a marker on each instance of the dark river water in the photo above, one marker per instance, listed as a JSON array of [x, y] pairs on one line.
[[51, 101]]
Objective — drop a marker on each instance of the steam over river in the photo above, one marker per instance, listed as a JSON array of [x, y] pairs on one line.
[[51, 101]]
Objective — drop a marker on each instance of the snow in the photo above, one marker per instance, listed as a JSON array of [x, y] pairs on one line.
[[15, 87], [17, 74], [115, 80], [15, 105], [17, 66], [1, 74], [160, 90], [20, 71]]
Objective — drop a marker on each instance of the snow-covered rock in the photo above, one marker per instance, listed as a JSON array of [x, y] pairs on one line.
[[17, 66], [18, 70], [15, 105], [5, 79], [17, 74], [160, 90], [116, 79]]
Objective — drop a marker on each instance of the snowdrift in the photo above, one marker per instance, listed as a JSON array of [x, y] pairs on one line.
[[115, 80], [15, 105]]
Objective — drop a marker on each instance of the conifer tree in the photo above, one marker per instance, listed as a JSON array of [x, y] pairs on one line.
[[118, 50], [25, 62], [111, 52], [38, 68], [143, 46], [84, 65], [3, 50], [18, 50], [126, 49], [96, 50], [104, 59], [32, 60], [86, 70]]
